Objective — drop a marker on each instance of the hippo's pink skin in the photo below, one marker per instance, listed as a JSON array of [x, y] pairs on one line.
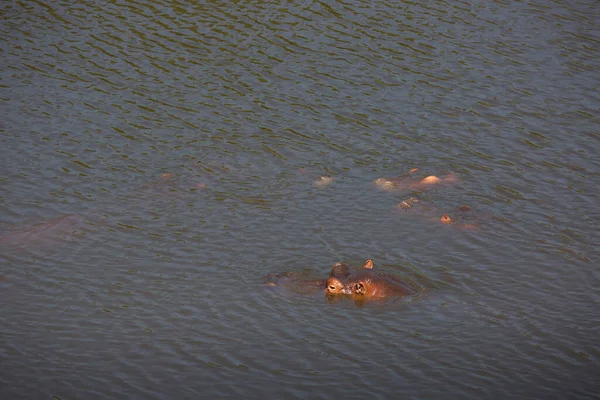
[[289, 279], [362, 285], [427, 211], [382, 286], [43, 232], [366, 284], [323, 181], [459, 222], [67, 226], [342, 284], [408, 181]]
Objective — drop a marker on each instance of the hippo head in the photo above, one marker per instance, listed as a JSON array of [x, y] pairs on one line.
[[431, 180], [446, 219], [335, 285], [384, 183], [323, 181]]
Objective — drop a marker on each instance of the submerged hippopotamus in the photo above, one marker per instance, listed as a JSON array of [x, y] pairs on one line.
[[70, 226], [45, 232], [321, 181], [367, 284], [428, 211], [339, 270], [408, 181], [360, 285]]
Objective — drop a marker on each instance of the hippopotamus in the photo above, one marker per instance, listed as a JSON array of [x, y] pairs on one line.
[[407, 181], [65, 226], [338, 271], [368, 284], [171, 186], [360, 285], [71, 226], [428, 211], [321, 181], [464, 221]]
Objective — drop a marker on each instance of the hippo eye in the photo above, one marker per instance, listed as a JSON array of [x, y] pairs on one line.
[[331, 287]]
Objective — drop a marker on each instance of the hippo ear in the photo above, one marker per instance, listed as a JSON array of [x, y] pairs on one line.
[[340, 270], [368, 264]]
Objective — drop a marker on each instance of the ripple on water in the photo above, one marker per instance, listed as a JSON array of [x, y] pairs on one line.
[[160, 159]]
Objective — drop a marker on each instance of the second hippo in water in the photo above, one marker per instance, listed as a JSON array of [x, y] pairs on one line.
[[407, 181], [368, 284], [291, 280]]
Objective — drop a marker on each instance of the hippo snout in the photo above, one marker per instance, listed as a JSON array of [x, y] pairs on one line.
[[359, 288]]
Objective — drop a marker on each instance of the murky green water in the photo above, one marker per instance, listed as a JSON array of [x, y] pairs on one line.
[[119, 282]]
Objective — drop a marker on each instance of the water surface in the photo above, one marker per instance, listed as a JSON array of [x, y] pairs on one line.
[[121, 282]]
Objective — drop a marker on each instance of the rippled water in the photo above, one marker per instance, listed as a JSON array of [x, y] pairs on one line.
[[121, 282]]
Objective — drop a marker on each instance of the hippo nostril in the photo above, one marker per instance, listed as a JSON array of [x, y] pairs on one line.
[[359, 288]]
